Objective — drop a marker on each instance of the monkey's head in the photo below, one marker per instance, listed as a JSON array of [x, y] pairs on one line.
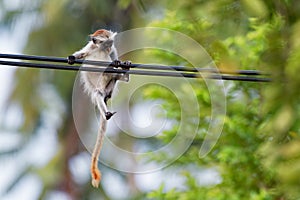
[[103, 39]]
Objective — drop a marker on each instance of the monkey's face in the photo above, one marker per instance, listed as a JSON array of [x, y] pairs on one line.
[[103, 39], [104, 44]]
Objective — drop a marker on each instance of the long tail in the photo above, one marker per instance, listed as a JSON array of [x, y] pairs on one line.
[[95, 172]]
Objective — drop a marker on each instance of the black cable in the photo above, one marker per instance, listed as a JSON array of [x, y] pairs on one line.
[[136, 72], [140, 66]]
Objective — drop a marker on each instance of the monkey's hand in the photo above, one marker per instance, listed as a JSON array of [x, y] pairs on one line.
[[116, 63], [126, 65], [71, 59]]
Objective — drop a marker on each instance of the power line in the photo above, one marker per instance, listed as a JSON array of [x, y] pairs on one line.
[[140, 66], [151, 70]]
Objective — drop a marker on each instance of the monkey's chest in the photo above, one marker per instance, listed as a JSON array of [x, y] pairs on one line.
[[95, 80]]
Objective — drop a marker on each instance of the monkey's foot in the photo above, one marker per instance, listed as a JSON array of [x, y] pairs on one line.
[[108, 115], [71, 60]]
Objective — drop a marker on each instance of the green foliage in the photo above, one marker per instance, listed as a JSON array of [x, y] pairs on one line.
[[257, 155]]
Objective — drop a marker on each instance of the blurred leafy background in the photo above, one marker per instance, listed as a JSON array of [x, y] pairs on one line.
[[258, 153]]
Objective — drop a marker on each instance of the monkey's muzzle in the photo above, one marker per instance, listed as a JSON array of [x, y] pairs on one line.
[[108, 43]]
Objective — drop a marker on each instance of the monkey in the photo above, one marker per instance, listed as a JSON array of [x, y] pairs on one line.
[[99, 85]]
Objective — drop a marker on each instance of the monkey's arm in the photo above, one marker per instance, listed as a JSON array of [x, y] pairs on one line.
[[114, 57], [85, 51], [114, 54]]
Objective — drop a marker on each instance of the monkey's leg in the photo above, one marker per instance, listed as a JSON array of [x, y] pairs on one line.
[[124, 76], [106, 98], [100, 102], [108, 114], [102, 106]]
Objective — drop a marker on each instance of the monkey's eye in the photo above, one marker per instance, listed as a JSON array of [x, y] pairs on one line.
[[94, 40], [97, 41]]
